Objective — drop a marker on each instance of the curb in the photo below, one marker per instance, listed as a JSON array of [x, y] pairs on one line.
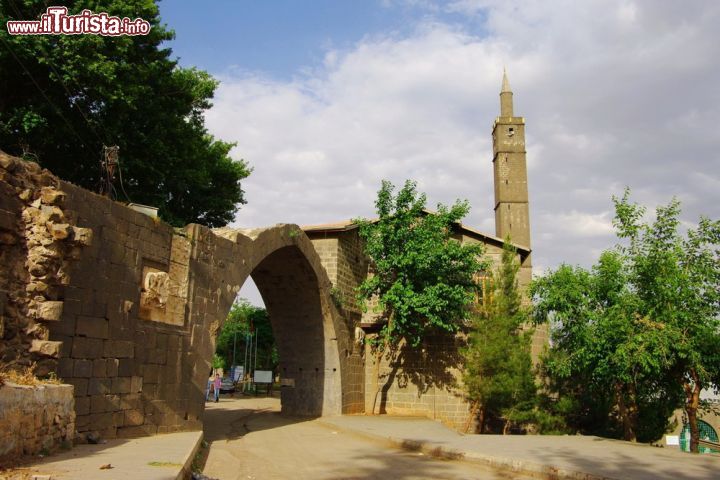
[[537, 470], [185, 472]]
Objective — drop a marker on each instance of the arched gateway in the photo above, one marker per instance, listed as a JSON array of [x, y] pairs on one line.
[[308, 330]]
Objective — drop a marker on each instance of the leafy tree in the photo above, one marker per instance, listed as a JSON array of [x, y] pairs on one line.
[[677, 279], [640, 328], [422, 279], [602, 344], [243, 319], [65, 96], [498, 374]]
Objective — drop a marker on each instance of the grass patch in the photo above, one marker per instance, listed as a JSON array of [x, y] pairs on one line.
[[165, 464], [26, 376], [198, 463]]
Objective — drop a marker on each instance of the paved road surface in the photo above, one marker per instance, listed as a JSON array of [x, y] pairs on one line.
[[249, 439]]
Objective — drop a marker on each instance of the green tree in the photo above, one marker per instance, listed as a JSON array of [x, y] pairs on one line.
[[498, 376], [641, 327], [65, 96], [243, 319], [422, 279], [677, 280], [601, 342]]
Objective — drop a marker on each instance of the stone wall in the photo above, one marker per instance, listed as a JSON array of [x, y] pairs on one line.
[[35, 419], [422, 381], [131, 307], [130, 369]]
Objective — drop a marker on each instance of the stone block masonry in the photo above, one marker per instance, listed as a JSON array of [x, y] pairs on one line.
[[35, 419], [126, 309]]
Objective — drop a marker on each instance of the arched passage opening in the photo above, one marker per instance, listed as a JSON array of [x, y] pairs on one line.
[[303, 330], [309, 333]]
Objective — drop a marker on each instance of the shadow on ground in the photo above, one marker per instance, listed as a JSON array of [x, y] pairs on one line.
[[399, 465], [626, 465], [225, 421]]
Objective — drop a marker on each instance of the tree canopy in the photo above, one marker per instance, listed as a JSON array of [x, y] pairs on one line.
[[422, 279], [639, 334], [243, 319], [66, 96]]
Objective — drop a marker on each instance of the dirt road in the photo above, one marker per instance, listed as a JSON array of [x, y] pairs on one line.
[[251, 440]]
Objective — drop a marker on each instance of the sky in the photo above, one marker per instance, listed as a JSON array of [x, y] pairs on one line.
[[326, 98]]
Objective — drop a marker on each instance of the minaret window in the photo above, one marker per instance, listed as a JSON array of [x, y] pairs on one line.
[[511, 132]]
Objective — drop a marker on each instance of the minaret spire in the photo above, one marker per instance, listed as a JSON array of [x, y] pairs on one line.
[[505, 83], [506, 97]]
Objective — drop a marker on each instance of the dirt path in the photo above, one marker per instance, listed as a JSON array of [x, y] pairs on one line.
[[249, 439]]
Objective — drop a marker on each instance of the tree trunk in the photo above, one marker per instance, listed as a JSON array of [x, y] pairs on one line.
[[481, 419], [375, 382], [632, 413], [692, 402], [472, 415], [626, 412]]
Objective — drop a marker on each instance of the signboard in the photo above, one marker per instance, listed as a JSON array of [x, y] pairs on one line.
[[263, 376], [672, 440], [238, 373]]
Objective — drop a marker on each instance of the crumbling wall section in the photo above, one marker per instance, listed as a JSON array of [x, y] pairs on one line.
[[39, 239]]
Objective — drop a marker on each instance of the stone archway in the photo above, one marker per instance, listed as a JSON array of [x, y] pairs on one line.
[[309, 332]]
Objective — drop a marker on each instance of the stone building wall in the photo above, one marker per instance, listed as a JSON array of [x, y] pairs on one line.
[[35, 419], [422, 381], [129, 367]]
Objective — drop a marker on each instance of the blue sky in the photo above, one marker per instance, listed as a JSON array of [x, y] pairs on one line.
[[327, 98], [282, 37]]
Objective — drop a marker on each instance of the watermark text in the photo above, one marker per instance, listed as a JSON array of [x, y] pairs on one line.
[[56, 21]]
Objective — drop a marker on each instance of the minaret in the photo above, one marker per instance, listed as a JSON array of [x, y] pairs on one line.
[[512, 216]]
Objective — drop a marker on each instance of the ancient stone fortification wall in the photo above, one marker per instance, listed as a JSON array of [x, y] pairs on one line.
[[129, 307], [35, 420]]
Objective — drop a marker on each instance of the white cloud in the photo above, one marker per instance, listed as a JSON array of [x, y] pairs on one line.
[[614, 94]]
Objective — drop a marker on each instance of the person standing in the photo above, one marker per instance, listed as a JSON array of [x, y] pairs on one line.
[[216, 386]]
